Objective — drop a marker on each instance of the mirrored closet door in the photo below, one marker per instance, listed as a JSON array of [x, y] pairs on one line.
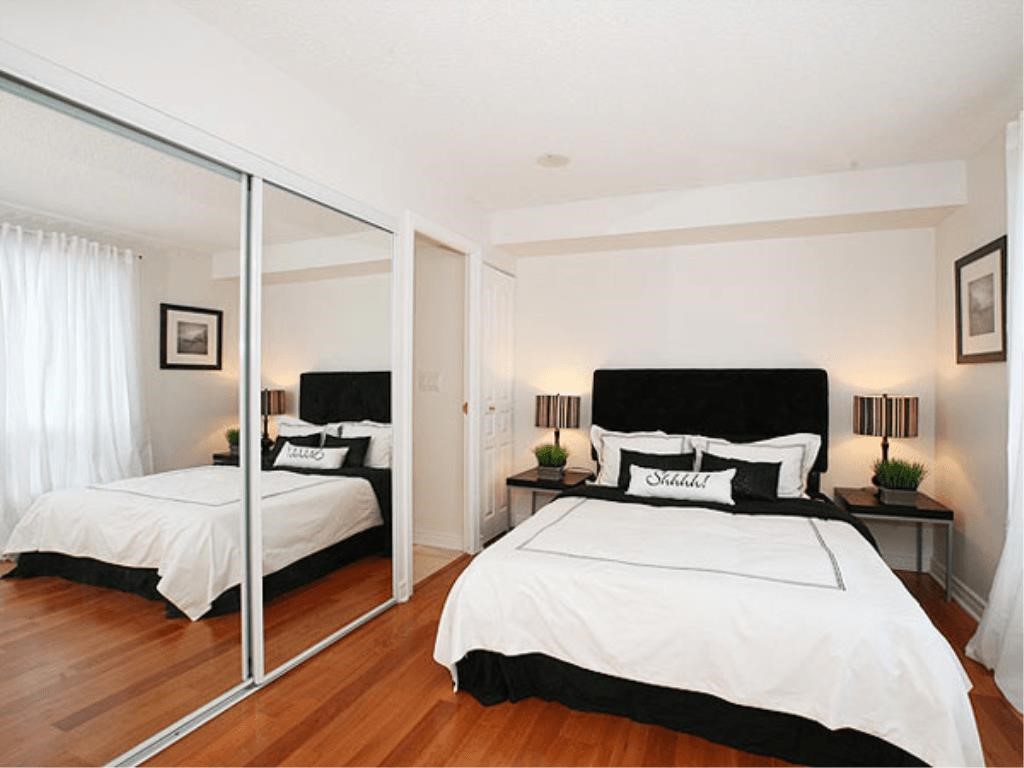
[[326, 404], [121, 515]]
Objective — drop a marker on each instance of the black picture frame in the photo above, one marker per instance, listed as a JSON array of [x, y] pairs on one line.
[[166, 327], [963, 358]]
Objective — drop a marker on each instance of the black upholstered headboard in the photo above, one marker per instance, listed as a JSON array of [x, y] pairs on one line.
[[740, 404], [345, 396]]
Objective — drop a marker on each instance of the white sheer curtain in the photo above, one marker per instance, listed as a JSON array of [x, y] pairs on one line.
[[70, 390], [999, 641]]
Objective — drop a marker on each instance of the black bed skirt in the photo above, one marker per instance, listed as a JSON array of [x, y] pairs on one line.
[[143, 581], [493, 678]]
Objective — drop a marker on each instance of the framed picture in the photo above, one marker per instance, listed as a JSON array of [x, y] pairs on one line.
[[190, 337], [981, 304]]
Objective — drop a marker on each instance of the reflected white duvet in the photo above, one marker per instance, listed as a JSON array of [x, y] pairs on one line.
[[187, 525], [789, 614]]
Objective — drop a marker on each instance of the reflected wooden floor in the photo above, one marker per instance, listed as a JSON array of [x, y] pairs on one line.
[[378, 698], [300, 618], [86, 673]]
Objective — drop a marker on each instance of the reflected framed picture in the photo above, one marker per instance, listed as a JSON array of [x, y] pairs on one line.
[[190, 337], [981, 304]]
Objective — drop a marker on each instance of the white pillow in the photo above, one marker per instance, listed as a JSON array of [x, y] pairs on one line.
[[378, 455], [685, 486], [797, 454], [289, 426], [611, 453], [310, 457]]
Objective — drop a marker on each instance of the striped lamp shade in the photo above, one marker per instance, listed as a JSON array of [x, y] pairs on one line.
[[885, 415], [558, 411], [272, 402]]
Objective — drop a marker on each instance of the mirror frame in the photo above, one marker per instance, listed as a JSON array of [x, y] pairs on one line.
[[117, 111]]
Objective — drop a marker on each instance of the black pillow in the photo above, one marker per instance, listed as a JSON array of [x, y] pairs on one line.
[[753, 480], [357, 447], [681, 462]]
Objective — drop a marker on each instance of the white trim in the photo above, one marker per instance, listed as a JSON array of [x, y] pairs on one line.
[[413, 224], [441, 539], [252, 453], [966, 597]]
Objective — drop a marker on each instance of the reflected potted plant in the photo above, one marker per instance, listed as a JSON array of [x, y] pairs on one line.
[[897, 481], [551, 459], [232, 435]]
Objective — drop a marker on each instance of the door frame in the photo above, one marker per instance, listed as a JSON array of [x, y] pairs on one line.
[[412, 225]]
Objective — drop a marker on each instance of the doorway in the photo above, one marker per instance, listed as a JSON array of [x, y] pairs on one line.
[[440, 395]]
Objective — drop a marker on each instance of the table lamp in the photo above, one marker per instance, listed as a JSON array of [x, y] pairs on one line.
[[886, 416], [558, 412], [271, 404]]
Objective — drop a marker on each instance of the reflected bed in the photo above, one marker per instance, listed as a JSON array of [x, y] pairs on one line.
[[175, 536]]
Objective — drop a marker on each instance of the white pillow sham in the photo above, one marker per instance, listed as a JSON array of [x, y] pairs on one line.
[[378, 454], [609, 444], [797, 454], [289, 426], [310, 457], [684, 486]]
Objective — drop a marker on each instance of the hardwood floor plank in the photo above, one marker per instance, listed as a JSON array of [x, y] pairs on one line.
[[378, 698]]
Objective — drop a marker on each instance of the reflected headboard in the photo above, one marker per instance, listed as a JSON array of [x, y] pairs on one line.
[[739, 404], [331, 396]]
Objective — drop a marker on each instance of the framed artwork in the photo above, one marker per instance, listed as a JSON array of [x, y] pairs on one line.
[[981, 304], [190, 337]]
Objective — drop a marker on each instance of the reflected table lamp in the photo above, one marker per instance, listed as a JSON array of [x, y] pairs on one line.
[[558, 412], [885, 416], [271, 404]]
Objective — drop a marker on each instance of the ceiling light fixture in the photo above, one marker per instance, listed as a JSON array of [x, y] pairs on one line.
[[552, 161]]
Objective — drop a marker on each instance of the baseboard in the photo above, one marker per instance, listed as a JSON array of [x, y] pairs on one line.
[[963, 595], [440, 539]]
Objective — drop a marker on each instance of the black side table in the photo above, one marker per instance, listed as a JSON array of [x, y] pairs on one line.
[[529, 479], [863, 503]]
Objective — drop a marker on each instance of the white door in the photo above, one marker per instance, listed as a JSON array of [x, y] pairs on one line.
[[496, 309]]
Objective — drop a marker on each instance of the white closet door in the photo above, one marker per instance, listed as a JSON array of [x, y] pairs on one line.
[[496, 400]]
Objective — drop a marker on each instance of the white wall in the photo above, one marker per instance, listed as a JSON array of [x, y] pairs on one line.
[[859, 305], [326, 324], [971, 400], [187, 411], [438, 421]]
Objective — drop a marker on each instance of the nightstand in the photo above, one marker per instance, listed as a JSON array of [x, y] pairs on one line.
[[864, 504], [529, 479], [231, 460]]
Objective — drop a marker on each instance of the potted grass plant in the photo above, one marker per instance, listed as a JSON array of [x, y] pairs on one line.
[[551, 459], [897, 481], [231, 435]]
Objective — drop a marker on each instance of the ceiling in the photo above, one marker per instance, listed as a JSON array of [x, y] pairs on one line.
[[649, 94], [59, 173]]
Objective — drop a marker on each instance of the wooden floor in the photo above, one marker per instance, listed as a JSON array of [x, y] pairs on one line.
[[378, 698], [426, 561], [86, 672]]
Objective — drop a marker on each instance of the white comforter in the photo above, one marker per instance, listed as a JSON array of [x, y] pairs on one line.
[[187, 525], [782, 613]]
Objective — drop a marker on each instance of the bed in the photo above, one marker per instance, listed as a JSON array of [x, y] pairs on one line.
[[770, 626], [175, 536]]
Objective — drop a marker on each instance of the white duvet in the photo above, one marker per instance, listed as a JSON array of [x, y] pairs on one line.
[[187, 525], [783, 613]]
